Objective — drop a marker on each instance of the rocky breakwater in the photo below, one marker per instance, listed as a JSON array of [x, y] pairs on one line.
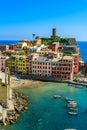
[[20, 102]]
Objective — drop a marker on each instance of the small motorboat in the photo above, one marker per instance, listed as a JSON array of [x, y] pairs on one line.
[[56, 96], [69, 99], [70, 84], [72, 113], [70, 129], [72, 104], [73, 108], [79, 86]]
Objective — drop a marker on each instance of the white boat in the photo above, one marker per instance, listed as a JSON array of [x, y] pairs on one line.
[[73, 102], [79, 86], [72, 113], [73, 108], [69, 129], [56, 96], [71, 105]]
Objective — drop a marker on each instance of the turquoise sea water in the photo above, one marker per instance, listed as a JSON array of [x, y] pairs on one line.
[[47, 113]]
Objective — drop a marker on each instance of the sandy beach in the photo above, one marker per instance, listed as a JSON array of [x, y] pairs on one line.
[[24, 83], [18, 83]]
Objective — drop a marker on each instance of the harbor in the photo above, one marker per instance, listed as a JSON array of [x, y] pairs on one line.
[[44, 109], [12, 103]]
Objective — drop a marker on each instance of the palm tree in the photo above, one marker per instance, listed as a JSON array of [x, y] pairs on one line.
[[33, 36]]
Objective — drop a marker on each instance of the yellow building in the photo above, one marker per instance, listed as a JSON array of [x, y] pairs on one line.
[[10, 62], [21, 64]]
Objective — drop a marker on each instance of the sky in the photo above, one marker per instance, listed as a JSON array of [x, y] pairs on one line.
[[19, 19]]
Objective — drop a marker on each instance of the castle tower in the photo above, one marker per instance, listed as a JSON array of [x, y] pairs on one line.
[[54, 32]]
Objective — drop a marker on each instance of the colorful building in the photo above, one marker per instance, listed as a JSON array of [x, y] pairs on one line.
[[3, 63], [76, 62], [10, 62], [29, 61], [41, 66], [20, 66], [63, 69], [54, 46]]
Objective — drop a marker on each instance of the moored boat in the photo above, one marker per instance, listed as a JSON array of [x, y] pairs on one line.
[[56, 96], [72, 113], [69, 129], [73, 108], [72, 104], [70, 84], [79, 86], [69, 99]]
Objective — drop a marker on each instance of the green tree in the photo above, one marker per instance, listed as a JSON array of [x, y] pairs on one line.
[[37, 37]]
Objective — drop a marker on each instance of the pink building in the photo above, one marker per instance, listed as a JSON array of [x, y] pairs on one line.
[[63, 69], [41, 67], [54, 46], [76, 62], [29, 61], [2, 63]]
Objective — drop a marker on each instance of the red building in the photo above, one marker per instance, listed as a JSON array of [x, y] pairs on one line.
[[63, 69], [12, 46], [76, 62], [54, 46]]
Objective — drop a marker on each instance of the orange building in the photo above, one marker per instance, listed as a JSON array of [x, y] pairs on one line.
[[76, 62]]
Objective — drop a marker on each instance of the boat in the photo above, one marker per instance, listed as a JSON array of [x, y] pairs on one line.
[[73, 108], [79, 86], [70, 84], [56, 96], [72, 113], [69, 99], [72, 104], [70, 129]]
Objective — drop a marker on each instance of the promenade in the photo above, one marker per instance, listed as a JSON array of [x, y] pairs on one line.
[[27, 81]]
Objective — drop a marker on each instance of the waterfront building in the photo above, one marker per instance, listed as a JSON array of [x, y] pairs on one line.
[[76, 62], [41, 66], [60, 68], [63, 68]]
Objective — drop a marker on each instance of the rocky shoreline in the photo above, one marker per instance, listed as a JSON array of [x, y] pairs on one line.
[[20, 102]]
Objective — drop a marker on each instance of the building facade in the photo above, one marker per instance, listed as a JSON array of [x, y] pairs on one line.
[[3, 63], [63, 69]]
